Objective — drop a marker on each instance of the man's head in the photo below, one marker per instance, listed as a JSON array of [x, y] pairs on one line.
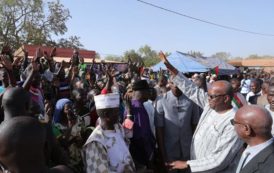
[[255, 86], [270, 97], [152, 94], [75, 52], [107, 107], [78, 95], [200, 82], [236, 84], [175, 90], [253, 124], [141, 90], [82, 60], [220, 94], [265, 87], [22, 141], [15, 102], [162, 81]]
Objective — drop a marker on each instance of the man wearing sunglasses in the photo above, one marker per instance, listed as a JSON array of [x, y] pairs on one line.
[[215, 144]]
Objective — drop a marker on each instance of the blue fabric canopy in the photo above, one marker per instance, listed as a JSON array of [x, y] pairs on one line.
[[183, 63], [212, 62]]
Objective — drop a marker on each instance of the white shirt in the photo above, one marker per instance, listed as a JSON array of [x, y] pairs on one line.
[[254, 150], [251, 93], [151, 112], [245, 86]]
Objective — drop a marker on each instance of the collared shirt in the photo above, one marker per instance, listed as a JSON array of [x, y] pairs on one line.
[[177, 115], [254, 150]]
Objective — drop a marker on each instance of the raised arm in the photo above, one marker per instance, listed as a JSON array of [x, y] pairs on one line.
[[192, 91], [35, 69], [8, 66]]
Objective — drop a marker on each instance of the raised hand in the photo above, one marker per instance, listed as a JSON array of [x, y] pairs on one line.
[[53, 52], [38, 54], [35, 65], [170, 67], [5, 62], [163, 57], [127, 102], [93, 60], [16, 61], [26, 53]]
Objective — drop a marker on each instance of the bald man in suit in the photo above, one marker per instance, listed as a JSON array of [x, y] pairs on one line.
[[253, 124]]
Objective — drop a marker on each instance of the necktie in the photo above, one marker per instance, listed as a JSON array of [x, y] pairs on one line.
[[242, 161]]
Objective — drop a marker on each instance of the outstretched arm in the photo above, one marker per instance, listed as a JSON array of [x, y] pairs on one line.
[[192, 91]]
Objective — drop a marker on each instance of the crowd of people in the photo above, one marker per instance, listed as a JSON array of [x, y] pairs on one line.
[[74, 117]]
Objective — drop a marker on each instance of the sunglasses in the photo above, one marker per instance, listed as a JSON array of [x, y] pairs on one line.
[[215, 96], [233, 122]]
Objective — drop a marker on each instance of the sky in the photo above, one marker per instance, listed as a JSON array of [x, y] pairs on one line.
[[111, 27]]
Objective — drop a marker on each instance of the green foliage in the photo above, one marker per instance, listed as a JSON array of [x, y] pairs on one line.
[[71, 42], [149, 56], [34, 22], [133, 56], [144, 55], [113, 58]]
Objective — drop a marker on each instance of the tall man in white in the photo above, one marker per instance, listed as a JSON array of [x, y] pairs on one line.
[[215, 145]]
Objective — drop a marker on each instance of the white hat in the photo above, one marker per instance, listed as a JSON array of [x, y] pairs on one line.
[[104, 101]]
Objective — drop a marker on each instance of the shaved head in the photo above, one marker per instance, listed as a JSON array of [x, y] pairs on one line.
[[22, 141], [258, 118], [15, 102]]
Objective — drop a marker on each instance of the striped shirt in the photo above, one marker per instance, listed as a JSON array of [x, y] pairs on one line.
[[215, 145]]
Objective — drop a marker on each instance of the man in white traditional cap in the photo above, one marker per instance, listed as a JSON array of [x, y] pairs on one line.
[[106, 149]]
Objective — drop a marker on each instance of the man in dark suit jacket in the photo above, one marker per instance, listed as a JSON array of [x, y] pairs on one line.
[[253, 124]]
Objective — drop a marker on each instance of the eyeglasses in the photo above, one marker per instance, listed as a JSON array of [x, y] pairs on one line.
[[215, 96], [233, 122]]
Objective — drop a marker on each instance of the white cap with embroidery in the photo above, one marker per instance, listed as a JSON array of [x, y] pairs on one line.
[[105, 101]]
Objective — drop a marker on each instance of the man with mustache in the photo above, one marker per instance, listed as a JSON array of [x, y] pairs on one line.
[[215, 144]]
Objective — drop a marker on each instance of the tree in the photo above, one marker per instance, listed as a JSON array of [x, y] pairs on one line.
[[195, 53], [71, 42], [222, 55], [149, 56], [133, 56], [113, 58], [33, 22]]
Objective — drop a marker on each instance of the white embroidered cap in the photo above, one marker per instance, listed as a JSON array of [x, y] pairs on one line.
[[104, 101]]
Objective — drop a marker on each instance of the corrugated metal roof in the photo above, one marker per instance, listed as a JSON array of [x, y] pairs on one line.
[[60, 52]]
